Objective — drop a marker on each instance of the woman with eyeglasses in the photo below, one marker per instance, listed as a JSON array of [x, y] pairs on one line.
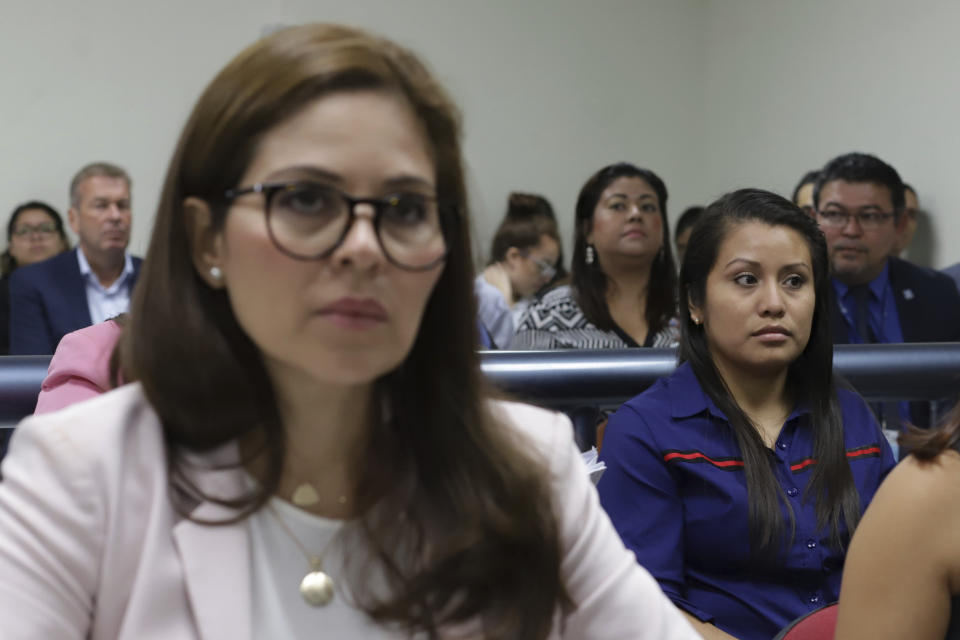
[[523, 259], [308, 447], [34, 233], [622, 290]]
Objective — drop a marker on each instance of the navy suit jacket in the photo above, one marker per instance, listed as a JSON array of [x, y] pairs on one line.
[[928, 305], [47, 301]]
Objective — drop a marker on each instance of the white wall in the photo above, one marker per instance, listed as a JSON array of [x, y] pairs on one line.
[[551, 90], [791, 84], [711, 94]]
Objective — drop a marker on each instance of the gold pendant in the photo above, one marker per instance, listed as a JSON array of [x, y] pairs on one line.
[[317, 588], [305, 495]]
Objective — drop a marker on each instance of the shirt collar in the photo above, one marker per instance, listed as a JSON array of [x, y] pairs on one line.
[[687, 397], [878, 285], [87, 272]]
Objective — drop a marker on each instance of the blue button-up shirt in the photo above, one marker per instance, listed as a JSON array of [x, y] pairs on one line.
[[675, 490], [106, 302]]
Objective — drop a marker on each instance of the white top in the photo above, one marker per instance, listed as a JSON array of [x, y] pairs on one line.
[[277, 567], [109, 302], [91, 547]]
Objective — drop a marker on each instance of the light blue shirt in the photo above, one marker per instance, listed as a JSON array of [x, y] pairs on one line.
[[109, 302]]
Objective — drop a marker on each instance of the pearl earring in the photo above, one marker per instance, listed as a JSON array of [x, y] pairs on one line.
[[591, 255], [216, 273]]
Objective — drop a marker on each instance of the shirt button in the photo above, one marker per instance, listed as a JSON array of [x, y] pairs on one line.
[[814, 599], [782, 445], [793, 492], [811, 544]]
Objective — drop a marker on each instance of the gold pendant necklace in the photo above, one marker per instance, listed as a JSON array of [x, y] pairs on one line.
[[304, 495], [316, 588]]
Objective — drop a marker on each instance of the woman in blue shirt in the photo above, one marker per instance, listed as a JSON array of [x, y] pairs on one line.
[[738, 480]]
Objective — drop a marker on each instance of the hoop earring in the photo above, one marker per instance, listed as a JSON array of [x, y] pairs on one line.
[[591, 255]]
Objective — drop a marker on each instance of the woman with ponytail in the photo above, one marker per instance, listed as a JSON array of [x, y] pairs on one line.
[[524, 258], [738, 480]]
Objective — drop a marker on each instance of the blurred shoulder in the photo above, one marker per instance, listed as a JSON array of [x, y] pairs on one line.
[[556, 299], [904, 272], [54, 266], [541, 427], [109, 429]]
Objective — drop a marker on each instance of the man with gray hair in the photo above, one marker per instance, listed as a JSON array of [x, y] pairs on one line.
[[87, 285]]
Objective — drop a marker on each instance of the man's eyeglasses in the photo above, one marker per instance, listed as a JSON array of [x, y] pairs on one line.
[[309, 220], [43, 229], [867, 220]]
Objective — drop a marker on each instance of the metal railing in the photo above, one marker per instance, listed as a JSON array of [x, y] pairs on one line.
[[568, 379]]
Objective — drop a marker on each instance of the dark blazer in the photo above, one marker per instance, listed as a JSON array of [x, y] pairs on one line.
[[4, 317], [47, 301], [928, 305]]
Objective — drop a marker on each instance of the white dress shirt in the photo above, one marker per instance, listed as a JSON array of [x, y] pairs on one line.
[[109, 302]]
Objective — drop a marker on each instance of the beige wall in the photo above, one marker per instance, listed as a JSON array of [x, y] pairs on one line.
[[711, 94]]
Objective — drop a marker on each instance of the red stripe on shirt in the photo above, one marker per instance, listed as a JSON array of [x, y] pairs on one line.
[[869, 450], [696, 455]]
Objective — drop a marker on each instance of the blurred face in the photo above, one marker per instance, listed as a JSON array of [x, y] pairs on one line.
[[805, 199], [532, 268], [911, 210], [352, 316], [626, 221], [35, 237], [860, 246], [102, 218], [759, 301]]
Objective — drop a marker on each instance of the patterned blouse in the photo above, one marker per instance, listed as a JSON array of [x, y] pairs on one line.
[[556, 321]]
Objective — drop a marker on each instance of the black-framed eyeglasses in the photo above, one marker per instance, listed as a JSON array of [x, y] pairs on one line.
[[309, 220], [839, 218]]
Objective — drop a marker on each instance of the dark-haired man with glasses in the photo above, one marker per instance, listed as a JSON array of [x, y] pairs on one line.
[[859, 201]]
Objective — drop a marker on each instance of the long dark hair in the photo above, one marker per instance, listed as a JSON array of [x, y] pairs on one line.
[[441, 461], [7, 262], [810, 376], [589, 281]]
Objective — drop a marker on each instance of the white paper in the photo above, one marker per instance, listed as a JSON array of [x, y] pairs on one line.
[[595, 467]]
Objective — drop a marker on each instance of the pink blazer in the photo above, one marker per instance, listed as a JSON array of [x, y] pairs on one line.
[[90, 546], [80, 367]]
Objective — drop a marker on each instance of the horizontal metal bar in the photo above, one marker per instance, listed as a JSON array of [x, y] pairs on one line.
[[569, 378], [564, 379]]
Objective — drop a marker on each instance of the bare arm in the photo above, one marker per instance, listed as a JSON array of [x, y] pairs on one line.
[[707, 630], [904, 561]]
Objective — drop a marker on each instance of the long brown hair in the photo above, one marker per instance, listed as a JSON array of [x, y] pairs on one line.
[[441, 462], [927, 444]]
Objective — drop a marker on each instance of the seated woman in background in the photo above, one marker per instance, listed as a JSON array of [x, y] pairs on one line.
[[34, 233], [523, 258], [902, 578], [308, 407], [738, 480], [622, 292]]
